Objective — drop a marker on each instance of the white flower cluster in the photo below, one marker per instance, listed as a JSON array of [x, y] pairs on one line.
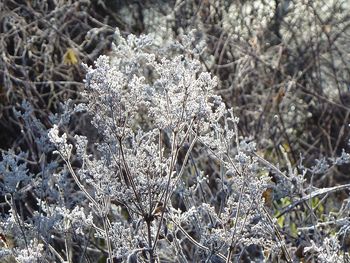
[[328, 251], [63, 148], [33, 254]]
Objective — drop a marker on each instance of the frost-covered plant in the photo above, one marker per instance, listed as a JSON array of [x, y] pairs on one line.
[[152, 112], [327, 251], [168, 178], [40, 204], [14, 173]]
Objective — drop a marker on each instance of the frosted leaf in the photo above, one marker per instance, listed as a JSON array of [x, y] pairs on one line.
[[320, 167]]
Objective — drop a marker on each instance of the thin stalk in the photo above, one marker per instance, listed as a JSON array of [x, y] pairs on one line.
[[151, 254], [67, 248], [81, 187], [199, 245], [235, 226], [53, 250], [13, 206], [130, 178], [279, 237], [172, 164], [109, 246], [186, 159]]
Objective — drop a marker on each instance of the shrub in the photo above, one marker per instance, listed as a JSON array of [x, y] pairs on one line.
[[167, 178]]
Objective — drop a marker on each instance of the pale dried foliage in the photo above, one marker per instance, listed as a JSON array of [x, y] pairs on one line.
[[148, 160]]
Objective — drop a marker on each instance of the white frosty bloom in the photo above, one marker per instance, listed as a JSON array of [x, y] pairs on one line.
[[63, 148], [34, 253]]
